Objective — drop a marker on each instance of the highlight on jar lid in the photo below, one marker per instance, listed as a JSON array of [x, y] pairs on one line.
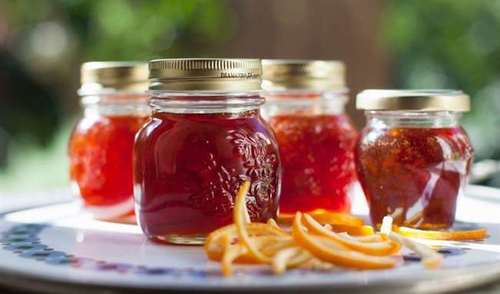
[[205, 74], [108, 77], [413, 100], [294, 74]]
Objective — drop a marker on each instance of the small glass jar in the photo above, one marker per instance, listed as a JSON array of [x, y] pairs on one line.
[[101, 145], [206, 138], [305, 107], [413, 158]]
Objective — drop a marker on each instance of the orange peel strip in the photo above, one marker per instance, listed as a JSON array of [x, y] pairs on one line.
[[267, 244], [374, 248], [214, 247], [363, 230], [430, 258], [479, 234], [337, 256], [271, 222], [239, 221], [326, 217], [366, 239], [289, 257], [231, 253]]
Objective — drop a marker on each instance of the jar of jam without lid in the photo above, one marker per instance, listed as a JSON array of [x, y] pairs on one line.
[[206, 138], [305, 107], [101, 146], [413, 157]]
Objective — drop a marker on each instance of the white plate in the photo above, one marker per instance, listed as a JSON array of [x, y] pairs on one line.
[[58, 247]]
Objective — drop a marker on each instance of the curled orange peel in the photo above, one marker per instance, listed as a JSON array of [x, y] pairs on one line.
[[319, 241], [373, 248], [337, 256], [239, 213]]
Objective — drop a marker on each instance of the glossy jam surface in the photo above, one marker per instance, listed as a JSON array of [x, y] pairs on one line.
[[317, 153], [100, 152], [414, 174], [188, 168]]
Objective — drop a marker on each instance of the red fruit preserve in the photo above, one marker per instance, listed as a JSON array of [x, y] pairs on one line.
[[317, 153], [101, 146], [199, 147], [100, 153], [305, 108], [413, 164]]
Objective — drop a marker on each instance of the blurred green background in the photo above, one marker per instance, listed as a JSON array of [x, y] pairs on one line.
[[385, 44]]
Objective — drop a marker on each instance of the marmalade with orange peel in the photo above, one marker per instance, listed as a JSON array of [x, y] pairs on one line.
[[414, 174], [100, 152], [317, 154]]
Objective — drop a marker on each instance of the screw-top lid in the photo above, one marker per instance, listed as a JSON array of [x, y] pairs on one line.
[[414, 100], [107, 77], [205, 74], [292, 74]]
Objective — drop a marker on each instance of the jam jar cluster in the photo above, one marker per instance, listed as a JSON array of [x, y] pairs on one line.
[[169, 143]]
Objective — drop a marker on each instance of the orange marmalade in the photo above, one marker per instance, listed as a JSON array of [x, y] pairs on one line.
[[305, 107], [413, 163], [101, 145]]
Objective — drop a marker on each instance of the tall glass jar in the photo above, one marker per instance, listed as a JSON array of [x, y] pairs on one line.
[[413, 158], [101, 145], [206, 138], [305, 107]]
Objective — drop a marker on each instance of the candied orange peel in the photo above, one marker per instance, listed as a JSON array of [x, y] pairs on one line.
[[318, 240]]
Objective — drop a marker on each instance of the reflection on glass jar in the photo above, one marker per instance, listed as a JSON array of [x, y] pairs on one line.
[[205, 138], [305, 107], [413, 158], [101, 145]]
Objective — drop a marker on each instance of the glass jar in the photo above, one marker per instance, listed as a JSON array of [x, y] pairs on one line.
[[413, 158], [206, 137], [305, 108], [101, 145]]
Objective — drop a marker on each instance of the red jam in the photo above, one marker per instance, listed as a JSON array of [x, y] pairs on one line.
[[317, 153], [414, 174], [190, 166], [100, 152]]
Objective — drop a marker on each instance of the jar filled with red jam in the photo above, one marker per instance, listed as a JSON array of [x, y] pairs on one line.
[[101, 145], [206, 137], [305, 107], [413, 158]]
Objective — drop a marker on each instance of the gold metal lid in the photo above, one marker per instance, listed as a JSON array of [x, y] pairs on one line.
[[294, 74], [205, 74], [108, 77], [414, 100]]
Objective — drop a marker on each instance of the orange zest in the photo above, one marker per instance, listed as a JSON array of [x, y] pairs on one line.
[[479, 234], [318, 241], [381, 248], [240, 218], [335, 254], [326, 217]]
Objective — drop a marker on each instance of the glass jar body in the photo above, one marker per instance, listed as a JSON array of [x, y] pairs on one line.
[[413, 166], [101, 152], [316, 141], [190, 160]]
